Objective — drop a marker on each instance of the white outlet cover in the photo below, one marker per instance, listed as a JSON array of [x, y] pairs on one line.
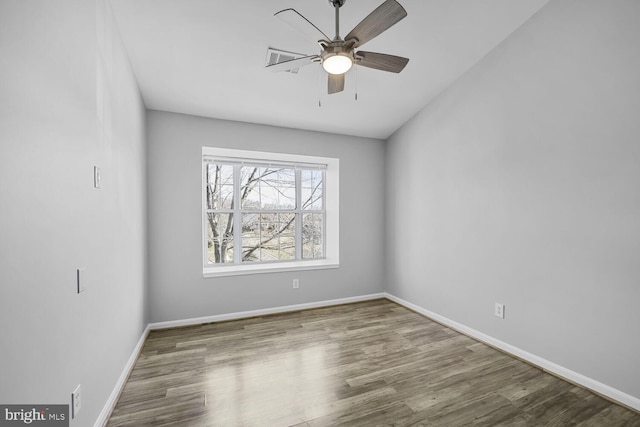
[[76, 402]]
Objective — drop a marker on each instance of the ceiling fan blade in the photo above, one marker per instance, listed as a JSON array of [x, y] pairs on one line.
[[336, 83], [381, 61], [302, 24], [293, 63], [384, 17]]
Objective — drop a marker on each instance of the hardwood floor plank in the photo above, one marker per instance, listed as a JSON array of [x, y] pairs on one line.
[[372, 363], [612, 415]]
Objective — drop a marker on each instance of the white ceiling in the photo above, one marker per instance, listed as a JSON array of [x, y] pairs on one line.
[[207, 58]]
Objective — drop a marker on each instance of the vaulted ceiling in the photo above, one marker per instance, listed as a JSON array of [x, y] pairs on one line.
[[207, 58]]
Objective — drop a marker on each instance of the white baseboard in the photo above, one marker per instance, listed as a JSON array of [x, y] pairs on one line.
[[560, 371], [113, 398], [574, 377], [262, 312]]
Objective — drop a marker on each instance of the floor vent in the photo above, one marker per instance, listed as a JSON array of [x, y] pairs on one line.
[[275, 56]]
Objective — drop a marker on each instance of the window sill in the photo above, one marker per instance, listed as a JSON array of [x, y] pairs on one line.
[[241, 270]]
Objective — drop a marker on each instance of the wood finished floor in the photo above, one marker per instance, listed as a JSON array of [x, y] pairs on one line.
[[367, 364]]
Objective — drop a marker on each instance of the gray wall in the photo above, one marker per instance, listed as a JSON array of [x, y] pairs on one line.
[[51, 219], [177, 288], [520, 184]]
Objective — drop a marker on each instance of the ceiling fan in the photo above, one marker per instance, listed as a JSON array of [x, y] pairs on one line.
[[338, 55]]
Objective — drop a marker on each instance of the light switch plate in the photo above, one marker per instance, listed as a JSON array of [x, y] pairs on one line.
[[80, 279], [76, 402], [97, 177], [499, 310]]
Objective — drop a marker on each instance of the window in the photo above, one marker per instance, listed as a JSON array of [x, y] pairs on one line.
[[267, 212]]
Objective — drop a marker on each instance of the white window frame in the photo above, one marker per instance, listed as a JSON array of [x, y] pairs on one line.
[[332, 213]]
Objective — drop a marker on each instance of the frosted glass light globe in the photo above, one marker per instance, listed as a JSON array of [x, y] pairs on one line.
[[337, 64]]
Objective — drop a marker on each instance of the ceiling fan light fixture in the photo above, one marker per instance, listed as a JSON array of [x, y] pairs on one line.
[[338, 55], [337, 63]]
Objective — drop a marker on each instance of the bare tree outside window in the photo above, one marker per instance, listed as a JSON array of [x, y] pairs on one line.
[[220, 192]]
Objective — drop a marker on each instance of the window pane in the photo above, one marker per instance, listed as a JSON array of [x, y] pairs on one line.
[[219, 186], [312, 181], [286, 189], [268, 188], [287, 238], [268, 237], [250, 187], [251, 249], [312, 199], [268, 196], [310, 177], [287, 248], [312, 236], [219, 238]]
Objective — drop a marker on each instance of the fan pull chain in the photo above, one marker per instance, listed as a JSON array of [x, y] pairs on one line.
[[319, 87], [356, 83]]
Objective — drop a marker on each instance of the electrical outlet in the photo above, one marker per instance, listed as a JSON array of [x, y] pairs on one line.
[[296, 283], [499, 310], [76, 402]]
